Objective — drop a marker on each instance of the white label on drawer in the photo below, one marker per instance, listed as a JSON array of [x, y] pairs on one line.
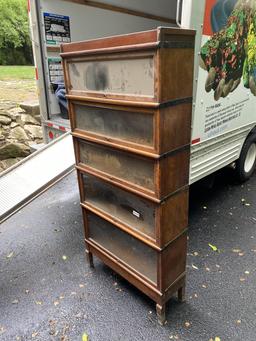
[[136, 214]]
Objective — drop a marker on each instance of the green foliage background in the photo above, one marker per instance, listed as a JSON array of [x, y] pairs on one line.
[[15, 44]]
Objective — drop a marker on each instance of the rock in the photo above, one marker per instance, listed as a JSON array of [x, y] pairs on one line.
[[9, 162], [6, 128], [31, 107], [19, 134], [34, 131], [14, 124], [6, 105], [38, 118], [2, 134], [5, 120], [12, 149], [36, 146], [38, 141], [26, 119], [15, 112]]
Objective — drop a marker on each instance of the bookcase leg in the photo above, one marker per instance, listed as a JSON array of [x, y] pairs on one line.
[[89, 258], [181, 294], [160, 311]]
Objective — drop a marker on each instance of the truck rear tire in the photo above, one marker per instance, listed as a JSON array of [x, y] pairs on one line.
[[246, 163]]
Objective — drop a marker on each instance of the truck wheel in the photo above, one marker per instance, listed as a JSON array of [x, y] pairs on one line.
[[246, 163]]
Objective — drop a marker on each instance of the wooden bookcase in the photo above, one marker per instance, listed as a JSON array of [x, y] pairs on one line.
[[130, 104]]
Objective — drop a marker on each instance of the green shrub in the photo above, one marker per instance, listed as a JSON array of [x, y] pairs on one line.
[[15, 44]]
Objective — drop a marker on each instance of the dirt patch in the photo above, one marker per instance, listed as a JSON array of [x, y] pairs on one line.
[[17, 91]]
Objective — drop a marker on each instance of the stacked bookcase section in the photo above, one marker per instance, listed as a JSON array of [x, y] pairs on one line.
[[130, 103]]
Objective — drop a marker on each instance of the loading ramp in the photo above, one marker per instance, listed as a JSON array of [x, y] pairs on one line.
[[27, 179]]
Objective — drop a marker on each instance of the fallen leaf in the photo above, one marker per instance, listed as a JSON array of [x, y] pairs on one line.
[[241, 254], [64, 257], [213, 247], [56, 303], [2, 330], [204, 286], [217, 338], [207, 269], [26, 291], [194, 267], [10, 255], [236, 250], [34, 334], [81, 285], [187, 324], [39, 302], [238, 321], [15, 301], [85, 337], [247, 272], [242, 279], [52, 324], [195, 253]]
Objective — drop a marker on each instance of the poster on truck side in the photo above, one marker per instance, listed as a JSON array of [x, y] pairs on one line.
[[55, 70], [226, 93], [57, 28]]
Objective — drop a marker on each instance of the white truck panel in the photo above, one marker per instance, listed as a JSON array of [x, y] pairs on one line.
[[165, 8], [219, 128], [216, 153]]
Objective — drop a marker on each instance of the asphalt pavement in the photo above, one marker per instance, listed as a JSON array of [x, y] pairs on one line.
[[48, 292]]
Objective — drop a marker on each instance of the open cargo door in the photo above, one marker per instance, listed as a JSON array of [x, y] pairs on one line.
[[62, 21]]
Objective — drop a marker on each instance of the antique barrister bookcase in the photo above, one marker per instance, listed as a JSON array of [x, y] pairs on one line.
[[130, 103]]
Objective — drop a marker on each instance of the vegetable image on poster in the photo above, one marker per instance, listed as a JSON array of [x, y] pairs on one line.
[[229, 55]]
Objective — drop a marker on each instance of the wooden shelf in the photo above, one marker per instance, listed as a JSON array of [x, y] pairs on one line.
[[130, 109], [150, 132], [140, 217]]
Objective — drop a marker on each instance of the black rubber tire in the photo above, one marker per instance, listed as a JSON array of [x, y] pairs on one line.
[[241, 174]]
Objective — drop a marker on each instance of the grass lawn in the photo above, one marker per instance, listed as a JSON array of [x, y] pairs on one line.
[[17, 72]]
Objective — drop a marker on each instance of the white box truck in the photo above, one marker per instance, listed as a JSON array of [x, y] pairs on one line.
[[224, 103]]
